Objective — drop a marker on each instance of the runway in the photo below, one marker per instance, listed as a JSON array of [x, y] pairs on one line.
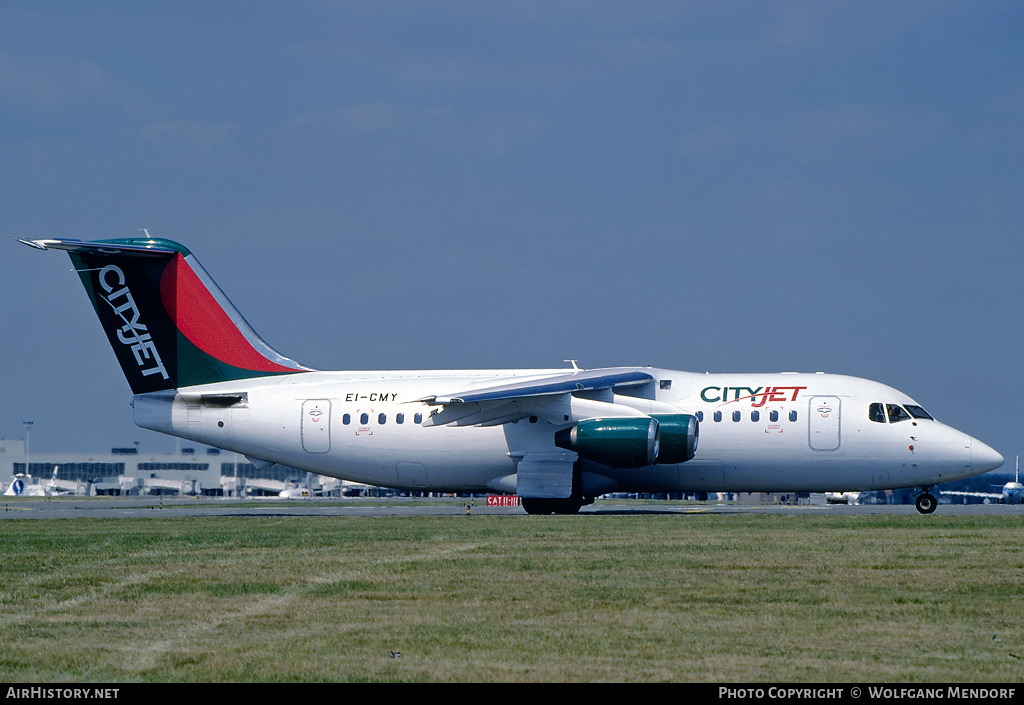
[[165, 507]]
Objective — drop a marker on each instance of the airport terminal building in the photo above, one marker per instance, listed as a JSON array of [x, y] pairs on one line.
[[128, 471], [203, 471]]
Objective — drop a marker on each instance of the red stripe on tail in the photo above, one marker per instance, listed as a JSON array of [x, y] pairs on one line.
[[201, 319]]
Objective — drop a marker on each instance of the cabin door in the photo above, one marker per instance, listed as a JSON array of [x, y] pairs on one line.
[[316, 425], [823, 424]]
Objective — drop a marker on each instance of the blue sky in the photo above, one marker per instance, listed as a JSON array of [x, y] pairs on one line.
[[723, 186]]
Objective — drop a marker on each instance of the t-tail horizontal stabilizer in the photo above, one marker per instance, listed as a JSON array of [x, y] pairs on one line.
[[168, 322]]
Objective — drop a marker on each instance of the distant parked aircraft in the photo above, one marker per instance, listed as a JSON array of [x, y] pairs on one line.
[[1012, 492], [22, 486]]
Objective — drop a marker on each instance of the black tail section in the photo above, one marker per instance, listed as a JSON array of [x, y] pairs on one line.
[[167, 321]]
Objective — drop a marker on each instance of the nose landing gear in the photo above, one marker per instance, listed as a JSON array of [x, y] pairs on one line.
[[926, 502]]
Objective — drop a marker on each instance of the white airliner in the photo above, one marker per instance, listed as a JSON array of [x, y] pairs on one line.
[[303, 492], [23, 486], [556, 437], [20, 488], [843, 497]]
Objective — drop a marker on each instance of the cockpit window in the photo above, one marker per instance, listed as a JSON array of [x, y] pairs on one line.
[[917, 412], [876, 413], [896, 413]]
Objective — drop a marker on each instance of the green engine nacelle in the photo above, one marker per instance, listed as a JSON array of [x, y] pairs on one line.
[[679, 434], [630, 442], [633, 442]]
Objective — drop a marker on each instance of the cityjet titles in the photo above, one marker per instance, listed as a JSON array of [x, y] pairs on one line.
[[758, 396], [132, 333]]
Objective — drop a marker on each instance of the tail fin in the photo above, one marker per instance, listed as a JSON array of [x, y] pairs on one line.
[[168, 322]]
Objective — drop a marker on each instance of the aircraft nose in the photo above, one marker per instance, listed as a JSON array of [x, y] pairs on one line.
[[984, 458]]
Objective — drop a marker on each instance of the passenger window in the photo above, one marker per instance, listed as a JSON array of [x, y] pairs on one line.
[[773, 416], [792, 415], [755, 416], [718, 416], [399, 418], [417, 418], [700, 416], [382, 419], [736, 416], [364, 419], [346, 419], [876, 413], [896, 413]]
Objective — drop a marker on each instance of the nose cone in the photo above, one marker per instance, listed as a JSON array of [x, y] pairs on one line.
[[984, 458]]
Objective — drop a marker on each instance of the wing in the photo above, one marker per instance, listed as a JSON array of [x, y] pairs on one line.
[[543, 470], [551, 397]]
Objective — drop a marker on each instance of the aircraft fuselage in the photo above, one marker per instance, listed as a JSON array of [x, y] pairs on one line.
[[758, 432]]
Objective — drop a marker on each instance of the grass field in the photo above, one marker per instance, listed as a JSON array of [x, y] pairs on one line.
[[698, 597]]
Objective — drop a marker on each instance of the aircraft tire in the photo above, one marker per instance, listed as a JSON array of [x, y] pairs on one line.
[[925, 503], [534, 505]]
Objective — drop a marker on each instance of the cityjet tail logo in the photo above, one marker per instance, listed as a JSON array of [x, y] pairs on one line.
[[133, 333], [758, 397]]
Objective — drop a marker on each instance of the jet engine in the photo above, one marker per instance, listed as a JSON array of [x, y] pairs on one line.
[[633, 442], [630, 442], [679, 434]]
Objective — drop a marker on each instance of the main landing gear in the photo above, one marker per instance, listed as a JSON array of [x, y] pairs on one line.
[[926, 502], [570, 505]]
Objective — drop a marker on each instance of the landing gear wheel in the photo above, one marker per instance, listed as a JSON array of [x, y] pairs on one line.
[[533, 505], [925, 503]]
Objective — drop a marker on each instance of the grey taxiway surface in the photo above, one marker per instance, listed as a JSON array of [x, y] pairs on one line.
[[136, 507]]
